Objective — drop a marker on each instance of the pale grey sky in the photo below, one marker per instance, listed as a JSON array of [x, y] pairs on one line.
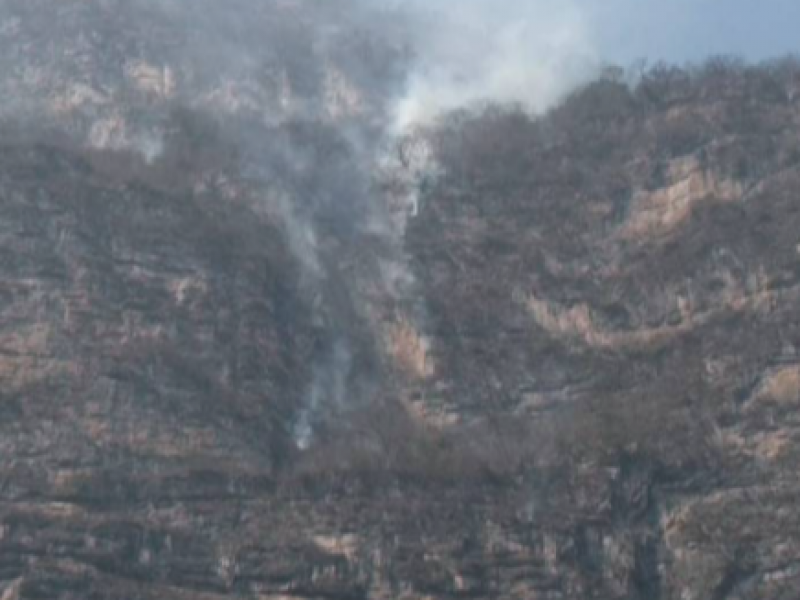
[[673, 30], [534, 51], [690, 30]]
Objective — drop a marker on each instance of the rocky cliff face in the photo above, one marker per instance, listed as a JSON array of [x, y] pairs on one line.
[[254, 346]]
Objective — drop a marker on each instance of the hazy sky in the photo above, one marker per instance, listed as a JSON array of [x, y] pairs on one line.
[[674, 30], [689, 30], [535, 51]]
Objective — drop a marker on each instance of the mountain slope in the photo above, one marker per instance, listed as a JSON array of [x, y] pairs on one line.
[[235, 363]]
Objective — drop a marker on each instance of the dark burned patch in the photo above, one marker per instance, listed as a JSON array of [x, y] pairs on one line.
[[172, 338]]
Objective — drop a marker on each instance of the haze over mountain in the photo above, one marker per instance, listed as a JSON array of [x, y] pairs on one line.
[[314, 299]]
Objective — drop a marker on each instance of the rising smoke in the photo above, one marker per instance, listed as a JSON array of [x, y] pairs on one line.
[[529, 53], [317, 96]]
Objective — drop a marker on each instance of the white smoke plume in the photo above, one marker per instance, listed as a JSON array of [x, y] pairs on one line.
[[313, 95], [529, 53]]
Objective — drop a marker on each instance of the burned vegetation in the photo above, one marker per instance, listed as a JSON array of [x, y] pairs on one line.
[[235, 364]]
